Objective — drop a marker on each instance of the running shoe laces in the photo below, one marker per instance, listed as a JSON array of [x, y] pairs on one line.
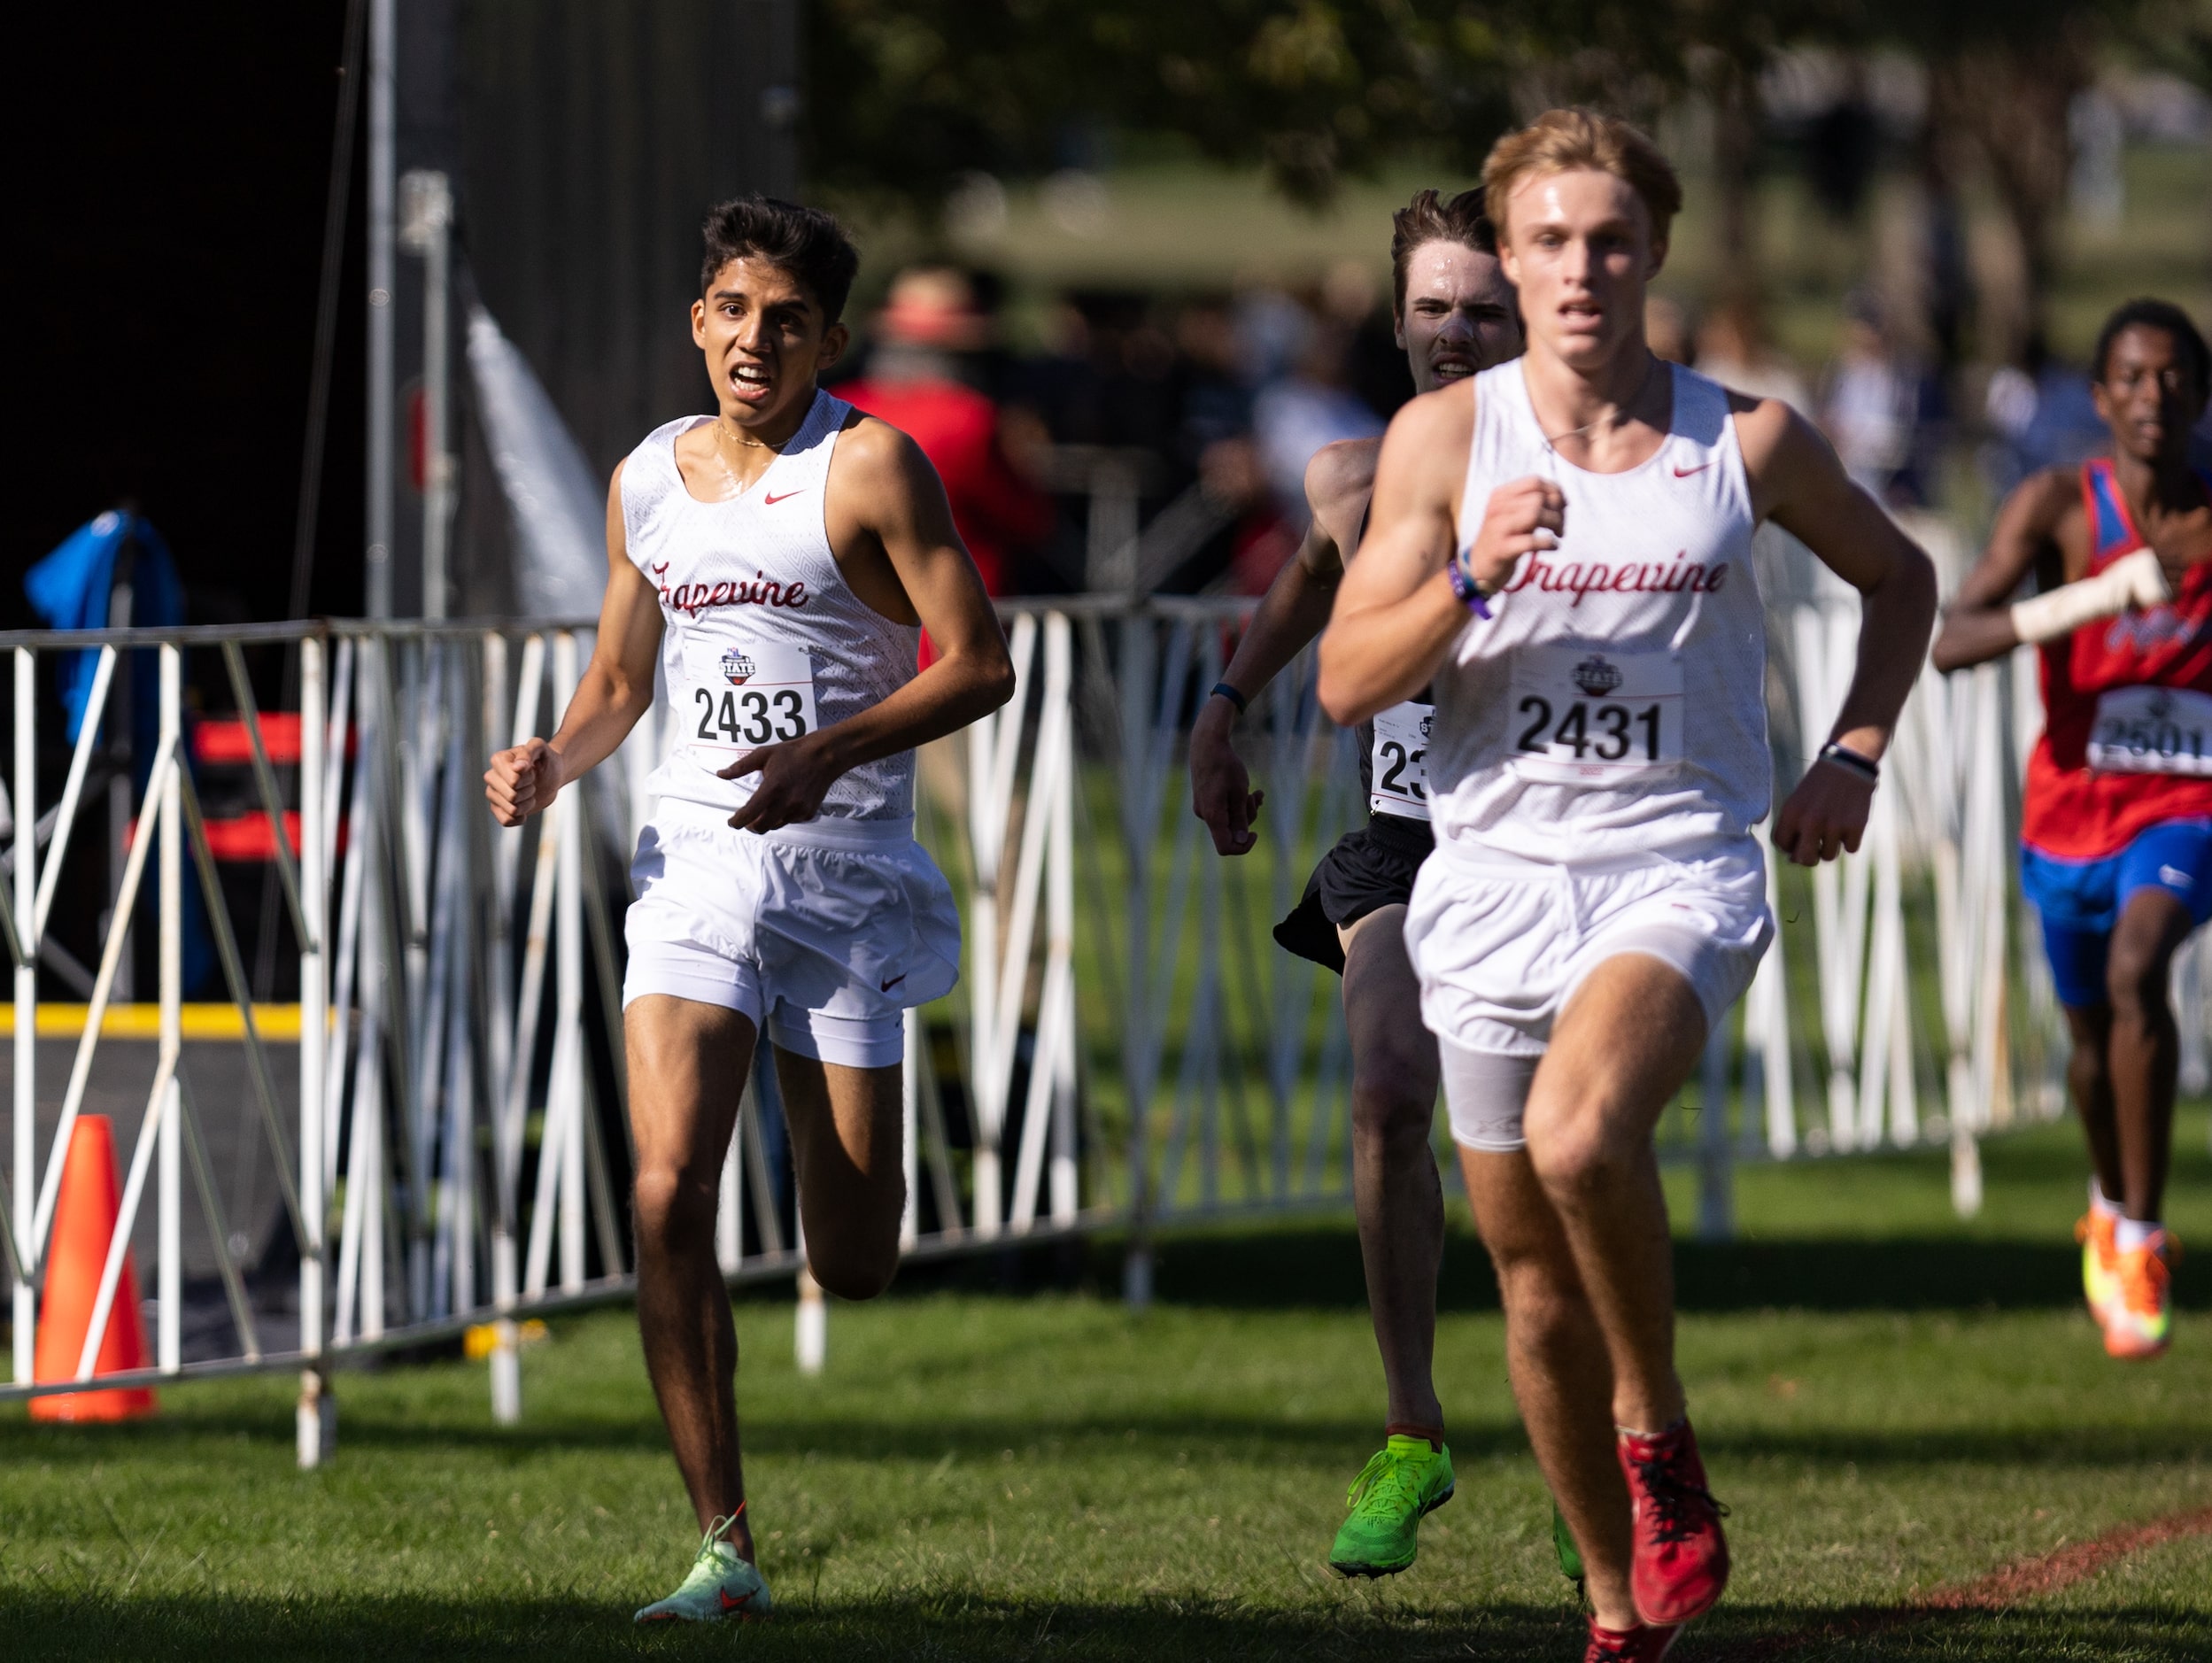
[[1388, 1485], [2145, 1274], [1671, 1494]]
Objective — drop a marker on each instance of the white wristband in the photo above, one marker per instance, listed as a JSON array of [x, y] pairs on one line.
[[2134, 580]]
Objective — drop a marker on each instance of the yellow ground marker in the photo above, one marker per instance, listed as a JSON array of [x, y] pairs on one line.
[[279, 1022]]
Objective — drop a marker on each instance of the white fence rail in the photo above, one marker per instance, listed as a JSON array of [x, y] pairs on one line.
[[1128, 1047]]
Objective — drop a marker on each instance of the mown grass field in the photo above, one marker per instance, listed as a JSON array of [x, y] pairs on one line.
[[1892, 1404]]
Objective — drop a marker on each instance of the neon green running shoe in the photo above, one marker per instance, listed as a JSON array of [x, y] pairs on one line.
[[1564, 1544], [1406, 1480], [721, 1586]]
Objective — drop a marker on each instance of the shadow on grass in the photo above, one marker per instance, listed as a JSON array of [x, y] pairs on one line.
[[1319, 1268], [1152, 1434], [954, 1624]]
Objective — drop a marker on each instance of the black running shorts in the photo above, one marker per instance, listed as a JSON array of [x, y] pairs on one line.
[[1369, 868]]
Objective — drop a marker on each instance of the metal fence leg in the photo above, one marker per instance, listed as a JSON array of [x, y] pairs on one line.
[[1716, 1148], [316, 1419], [169, 1329], [25, 1105]]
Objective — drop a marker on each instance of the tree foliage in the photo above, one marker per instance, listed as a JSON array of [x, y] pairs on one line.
[[905, 96]]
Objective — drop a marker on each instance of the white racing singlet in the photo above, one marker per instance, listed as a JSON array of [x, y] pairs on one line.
[[1614, 705], [762, 640]]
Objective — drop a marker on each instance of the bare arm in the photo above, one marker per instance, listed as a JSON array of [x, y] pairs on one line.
[[1395, 614], [893, 530], [1292, 613], [1979, 625], [1797, 482], [614, 690]]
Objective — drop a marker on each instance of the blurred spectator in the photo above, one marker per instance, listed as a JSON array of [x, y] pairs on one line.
[[1733, 349], [1666, 329], [1215, 403], [1375, 368], [1305, 399], [913, 381], [1108, 375], [2041, 415], [1882, 409]]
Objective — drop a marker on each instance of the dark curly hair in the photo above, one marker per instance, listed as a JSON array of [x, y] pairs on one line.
[[809, 243]]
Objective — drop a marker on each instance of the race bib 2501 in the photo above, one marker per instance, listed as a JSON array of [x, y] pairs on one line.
[[735, 700], [1585, 713], [1399, 764], [2152, 730]]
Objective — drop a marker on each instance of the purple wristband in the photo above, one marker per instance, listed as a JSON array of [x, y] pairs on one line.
[[1464, 587]]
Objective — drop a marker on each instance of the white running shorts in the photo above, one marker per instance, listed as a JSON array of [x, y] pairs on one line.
[[821, 933], [1501, 944]]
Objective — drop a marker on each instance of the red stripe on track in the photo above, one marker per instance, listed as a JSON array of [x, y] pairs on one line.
[[2046, 1574], [2063, 1567]]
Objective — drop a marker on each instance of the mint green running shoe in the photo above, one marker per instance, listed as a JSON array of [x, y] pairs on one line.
[[721, 1586], [1406, 1480]]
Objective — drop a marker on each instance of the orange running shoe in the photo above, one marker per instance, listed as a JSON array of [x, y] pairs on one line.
[[2100, 1260], [2140, 1322]]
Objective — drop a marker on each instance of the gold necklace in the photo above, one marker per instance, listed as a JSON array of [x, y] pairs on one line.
[[1619, 415], [757, 444]]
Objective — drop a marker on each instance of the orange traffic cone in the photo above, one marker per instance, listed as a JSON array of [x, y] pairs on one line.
[[84, 1223]]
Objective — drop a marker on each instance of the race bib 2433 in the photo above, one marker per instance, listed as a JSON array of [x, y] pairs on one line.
[[735, 700]]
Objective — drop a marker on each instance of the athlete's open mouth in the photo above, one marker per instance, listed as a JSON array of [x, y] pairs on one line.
[[750, 382], [1452, 366]]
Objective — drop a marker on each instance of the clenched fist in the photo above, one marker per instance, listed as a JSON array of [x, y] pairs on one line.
[[1525, 516], [521, 782]]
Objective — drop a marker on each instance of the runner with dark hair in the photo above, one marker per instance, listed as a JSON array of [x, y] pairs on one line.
[[1454, 316], [777, 563], [2117, 823]]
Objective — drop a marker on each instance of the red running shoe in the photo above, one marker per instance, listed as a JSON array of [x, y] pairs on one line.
[[1681, 1559], [1639, 1644]]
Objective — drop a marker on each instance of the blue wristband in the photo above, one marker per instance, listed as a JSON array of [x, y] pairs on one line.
[[1464, 586], [1230, 694]]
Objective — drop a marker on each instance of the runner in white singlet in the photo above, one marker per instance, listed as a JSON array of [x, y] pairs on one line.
[[1561, 549], [778, 560], [1454, 312]]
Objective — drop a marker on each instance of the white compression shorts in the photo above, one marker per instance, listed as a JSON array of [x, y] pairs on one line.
[[820, 934], [1501, 944]]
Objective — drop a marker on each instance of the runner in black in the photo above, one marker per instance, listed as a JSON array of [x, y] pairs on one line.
[[1455, 316]]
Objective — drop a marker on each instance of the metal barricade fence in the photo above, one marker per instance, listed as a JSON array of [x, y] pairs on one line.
[[1128, 1049]]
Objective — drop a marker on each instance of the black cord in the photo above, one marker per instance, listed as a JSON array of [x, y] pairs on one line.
[[336, 206]]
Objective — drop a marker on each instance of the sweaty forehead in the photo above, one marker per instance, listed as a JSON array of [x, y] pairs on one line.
[[1575, 197], [1442, 268]]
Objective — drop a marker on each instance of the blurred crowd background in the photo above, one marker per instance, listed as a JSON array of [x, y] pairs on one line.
[[1099, 432], [1126, 261]]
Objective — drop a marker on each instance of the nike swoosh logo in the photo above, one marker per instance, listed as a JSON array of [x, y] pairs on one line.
[[1684, 473], [769, 502], [894, 981], [739, 1604]]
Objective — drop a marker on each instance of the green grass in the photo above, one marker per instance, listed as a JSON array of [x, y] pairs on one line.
[[1889, 1403]]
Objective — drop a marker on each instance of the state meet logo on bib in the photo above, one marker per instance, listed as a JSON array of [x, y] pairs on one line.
[[1595, 677], [737, 668]]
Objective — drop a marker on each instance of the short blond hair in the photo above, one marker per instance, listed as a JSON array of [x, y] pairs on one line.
[[1563, 141]]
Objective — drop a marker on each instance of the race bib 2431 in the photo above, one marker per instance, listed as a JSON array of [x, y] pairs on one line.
[[1585, 713]]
